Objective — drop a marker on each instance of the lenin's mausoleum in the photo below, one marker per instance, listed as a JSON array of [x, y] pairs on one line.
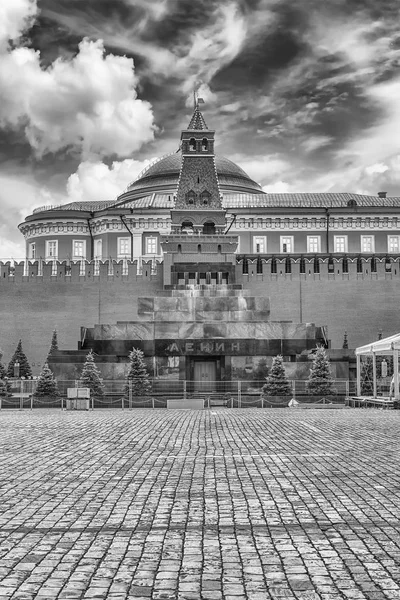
[[207, 274]]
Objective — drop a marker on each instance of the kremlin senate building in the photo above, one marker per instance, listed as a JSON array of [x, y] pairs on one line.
[[194, 264]]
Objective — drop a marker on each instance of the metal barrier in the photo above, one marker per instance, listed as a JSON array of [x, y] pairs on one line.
[[120, 394]]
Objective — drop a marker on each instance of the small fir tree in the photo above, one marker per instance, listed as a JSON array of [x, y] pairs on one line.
[[19, 356], [277, 381], [90, 377], [320, 380], [345, 341], [5, 387], [54, 342], [138, 374], [47, 383]]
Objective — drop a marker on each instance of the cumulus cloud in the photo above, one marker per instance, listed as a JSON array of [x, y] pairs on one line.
[[15, 17], [88, 103], [98, 181]]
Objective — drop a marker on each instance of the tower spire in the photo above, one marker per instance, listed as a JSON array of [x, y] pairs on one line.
[[197, 121]]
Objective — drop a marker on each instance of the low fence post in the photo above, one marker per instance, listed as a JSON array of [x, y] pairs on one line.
[[184, 389], [21, 399], [347, 388], [152, 401], [92, 402], [294, 388], [130, 393], [122, 401], [239, 394], [31, 401]]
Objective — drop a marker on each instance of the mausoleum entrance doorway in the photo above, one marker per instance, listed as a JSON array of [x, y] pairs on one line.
[[205, 374]]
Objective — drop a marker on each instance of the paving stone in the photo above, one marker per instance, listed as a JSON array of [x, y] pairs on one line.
[[214, 505]]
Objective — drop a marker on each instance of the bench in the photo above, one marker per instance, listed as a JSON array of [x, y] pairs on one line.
[[370, 402], [218, 400]]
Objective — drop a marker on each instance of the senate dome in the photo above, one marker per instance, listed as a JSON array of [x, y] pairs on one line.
[[163, 174]]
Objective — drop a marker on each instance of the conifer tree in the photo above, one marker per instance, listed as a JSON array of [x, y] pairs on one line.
[[320, 380], [19, 356], [54, 342], [138, 374], [90, 377], [5, 387], [47, 383], [277, 381]]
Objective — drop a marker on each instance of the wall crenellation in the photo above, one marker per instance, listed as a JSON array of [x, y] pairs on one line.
[[76, 271]]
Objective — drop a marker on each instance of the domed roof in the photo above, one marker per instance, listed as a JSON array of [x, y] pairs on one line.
[[165, 172]]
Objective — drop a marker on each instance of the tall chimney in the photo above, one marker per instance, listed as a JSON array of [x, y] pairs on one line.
[[382, 194]]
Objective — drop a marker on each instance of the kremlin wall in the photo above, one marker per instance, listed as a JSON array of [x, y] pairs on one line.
[[33, 305]]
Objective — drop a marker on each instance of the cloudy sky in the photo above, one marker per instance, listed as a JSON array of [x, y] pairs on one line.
[[303, 95]]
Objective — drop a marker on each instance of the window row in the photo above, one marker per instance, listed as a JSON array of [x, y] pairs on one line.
[[340, 244], [51, 249], [79, 248]]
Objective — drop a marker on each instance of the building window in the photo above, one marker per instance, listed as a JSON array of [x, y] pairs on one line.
[[367, 243], [204, 145], [78, 248], [124, 247], [192, 145], [98, 249], [393, 243], [32, 250], [151, 245], [209, 228], [313, 243], [287, 244], [260, 245], [51, 250], [190, 197], [340, 243]]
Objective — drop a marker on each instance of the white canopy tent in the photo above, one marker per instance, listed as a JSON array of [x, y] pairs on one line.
[[389, 346]]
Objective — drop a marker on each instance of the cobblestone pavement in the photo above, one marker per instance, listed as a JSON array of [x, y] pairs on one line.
[[224, 504]]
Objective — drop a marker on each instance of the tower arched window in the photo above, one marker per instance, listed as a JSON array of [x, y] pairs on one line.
[[245, 267], [273, 265], [190, 197], [204, 144], [209, 228], [259, 266], [187, 227], [192, 145], [205, 197]]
